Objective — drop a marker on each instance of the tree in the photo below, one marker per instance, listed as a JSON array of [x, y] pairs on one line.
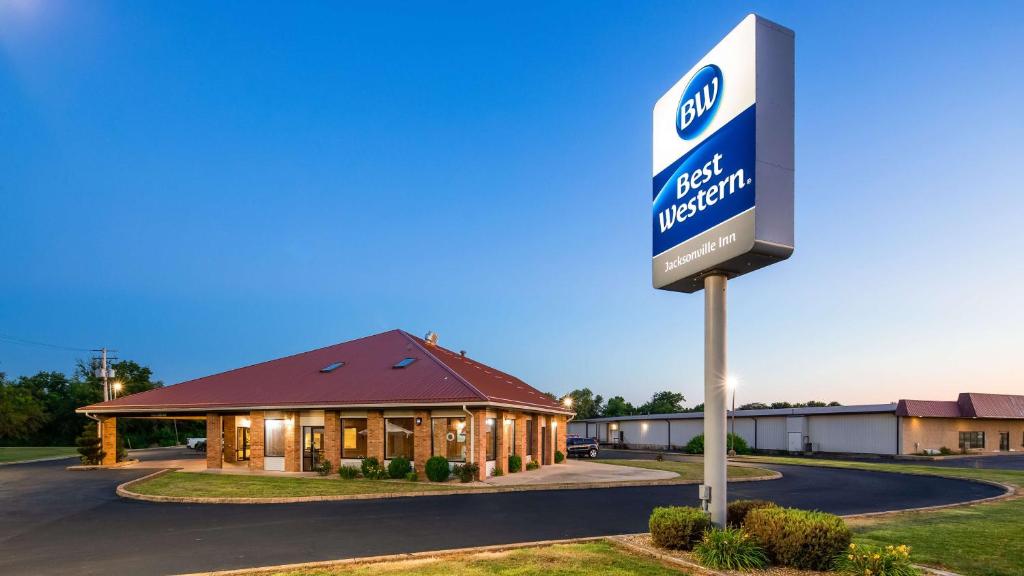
[[89, 445], [697, 408], [754, 406], [21, 414], [586, 404], [617, 406], [834, 403], [777, 405], [665, 402]]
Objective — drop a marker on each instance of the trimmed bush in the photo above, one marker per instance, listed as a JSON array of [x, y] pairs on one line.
[[798, 538], [678, 527], [888, 561], [412, 476], [559, 456], [730, 549], [696, 444], [438, 469], [372, 470], [348, 472], [324, 467], [532, 465], [399, 467], [515, 463], [737, 511]]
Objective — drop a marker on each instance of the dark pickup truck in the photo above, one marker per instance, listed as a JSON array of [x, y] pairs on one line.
[[581, 447]]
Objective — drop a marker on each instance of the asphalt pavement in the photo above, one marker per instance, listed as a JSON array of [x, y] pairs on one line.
[[54, 521]]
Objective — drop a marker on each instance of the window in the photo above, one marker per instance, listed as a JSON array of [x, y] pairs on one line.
[[353, 438], [332, 367], [510, 436], [404, 362], [492, 439], [529, 437], [398, 437], [970, 440], [449, 438], [273, 441]]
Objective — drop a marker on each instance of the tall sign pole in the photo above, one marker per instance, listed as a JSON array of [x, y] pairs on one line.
[[723, 195]]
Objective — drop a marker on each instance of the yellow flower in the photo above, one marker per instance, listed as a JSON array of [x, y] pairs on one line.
[[853, 546], [850, 556]]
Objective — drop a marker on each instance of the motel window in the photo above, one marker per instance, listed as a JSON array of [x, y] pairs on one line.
[[510, 436], [398, 437], [970, 440], [273, 440], [492, 439], [353, 437], [529, 437], [449, 438]]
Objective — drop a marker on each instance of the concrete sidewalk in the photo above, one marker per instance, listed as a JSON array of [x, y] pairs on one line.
[[579, 472]]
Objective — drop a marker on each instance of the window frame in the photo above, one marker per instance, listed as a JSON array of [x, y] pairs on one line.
[[366, 427], [280, 424], [412, 439], [968, 439]]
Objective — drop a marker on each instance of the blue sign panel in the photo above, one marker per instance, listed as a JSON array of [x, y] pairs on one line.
[[707, 186]]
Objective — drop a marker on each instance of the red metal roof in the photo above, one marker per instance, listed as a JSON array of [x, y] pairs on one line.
[[968, 405], [438, 376]]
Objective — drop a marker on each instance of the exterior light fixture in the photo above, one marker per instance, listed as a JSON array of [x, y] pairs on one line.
[[554, 425], [117, 386], [419, 421], [490, 421], [567, 401]]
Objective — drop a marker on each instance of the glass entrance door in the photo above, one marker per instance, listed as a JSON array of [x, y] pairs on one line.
[[545, 443], [1004, 441], [241, 444], [312, 447]]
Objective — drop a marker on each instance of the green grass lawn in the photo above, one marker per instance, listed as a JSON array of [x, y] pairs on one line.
[[242, 486], [585, 558], [982, 540], [18, 453], [688, 471]]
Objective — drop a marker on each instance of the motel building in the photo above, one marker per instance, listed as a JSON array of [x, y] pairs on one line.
[[974, 422], [388, 395]]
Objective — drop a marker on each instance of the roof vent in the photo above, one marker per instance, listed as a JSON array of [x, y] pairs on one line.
[[404, 362], [332, 367], [431, 338], [462, 353]]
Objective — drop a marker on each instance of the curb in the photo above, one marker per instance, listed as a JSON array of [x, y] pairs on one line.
[[47, 459], [396, 557], [124, 491], [667, 558], [80, 467]]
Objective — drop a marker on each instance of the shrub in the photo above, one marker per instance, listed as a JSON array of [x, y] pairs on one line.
[[437, 469], [324, 467], [696, 444], [348, 472], [888, 561], [399, 467], [945, 451], [660, 457], [532, 465], [468, 472], [412, 476], [678, 527], [798, 538], [515, 463], [730, 549], [738, 510], [559, 456], [497, 472], [89, 445], [372, 469]]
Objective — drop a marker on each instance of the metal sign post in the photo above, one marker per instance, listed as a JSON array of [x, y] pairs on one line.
[[715, 373]]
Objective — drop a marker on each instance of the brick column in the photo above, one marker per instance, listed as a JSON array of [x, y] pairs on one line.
[[108, 440], [549, 438], [256, 430], [332, 438], [230, 438], [538, 442], [519, 445], [421, 442], [292, 442], [501, 442], [479, 448], [440, 436], [375, 434], [562, 431], [214, 447]]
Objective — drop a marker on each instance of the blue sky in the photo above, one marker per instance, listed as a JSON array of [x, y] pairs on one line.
[[206, 185]]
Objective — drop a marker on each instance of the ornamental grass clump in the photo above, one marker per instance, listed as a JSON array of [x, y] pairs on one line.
[[737, 511], [730, 549], [875, 561], [798, 538], [348, 472], [678, 527]]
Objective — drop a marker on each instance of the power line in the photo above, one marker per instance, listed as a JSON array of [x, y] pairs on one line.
[[26, 342]]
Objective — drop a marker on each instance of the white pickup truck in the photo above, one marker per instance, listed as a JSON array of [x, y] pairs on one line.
[[196, 443]]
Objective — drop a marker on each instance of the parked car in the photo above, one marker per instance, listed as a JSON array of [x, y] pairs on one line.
[[581, 447], [196, 443]]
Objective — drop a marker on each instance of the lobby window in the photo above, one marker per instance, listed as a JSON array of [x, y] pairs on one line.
[[449, 437], [491, 438], [529, 437], [398, 437], [353, 438], [970, 440], [273, 440]]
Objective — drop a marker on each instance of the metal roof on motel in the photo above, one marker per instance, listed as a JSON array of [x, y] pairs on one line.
[[367, 378]]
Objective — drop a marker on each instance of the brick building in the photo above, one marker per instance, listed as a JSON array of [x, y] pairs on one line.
[[387, 395]]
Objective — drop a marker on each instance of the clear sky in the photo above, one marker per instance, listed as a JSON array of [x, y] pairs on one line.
[[204, 185]]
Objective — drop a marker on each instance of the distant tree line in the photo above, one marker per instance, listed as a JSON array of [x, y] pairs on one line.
[[39, 410], [586, 404]]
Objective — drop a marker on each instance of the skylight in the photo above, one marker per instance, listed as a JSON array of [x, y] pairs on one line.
[[332, 367], [405, 362]]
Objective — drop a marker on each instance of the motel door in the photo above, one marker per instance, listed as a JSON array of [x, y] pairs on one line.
[[312, 447], [545, 443], [241, 444], [1004, 441]]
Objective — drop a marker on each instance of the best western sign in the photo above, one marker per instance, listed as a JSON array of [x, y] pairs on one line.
[[723, 160]]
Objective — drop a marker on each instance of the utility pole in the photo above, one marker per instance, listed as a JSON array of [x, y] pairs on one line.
[[103, 372]]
